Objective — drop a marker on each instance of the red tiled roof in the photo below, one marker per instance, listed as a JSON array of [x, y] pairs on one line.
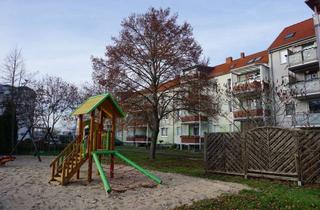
[[169, 84], [224, 68], [302, 30], [227, 67]]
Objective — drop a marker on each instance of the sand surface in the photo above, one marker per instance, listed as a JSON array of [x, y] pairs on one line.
[[24, 185]]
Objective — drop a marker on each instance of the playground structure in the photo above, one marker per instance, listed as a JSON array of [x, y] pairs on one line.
[[90, 148], [5, 159]]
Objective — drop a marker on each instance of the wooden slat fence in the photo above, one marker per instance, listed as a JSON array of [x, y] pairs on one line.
[[269, 152], [224, 153]]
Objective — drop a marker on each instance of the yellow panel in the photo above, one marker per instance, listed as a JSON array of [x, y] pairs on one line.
[[89, 105]]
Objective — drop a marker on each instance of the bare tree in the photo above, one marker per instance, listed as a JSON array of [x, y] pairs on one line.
[[14, 74], [56, 98], [143, 67]]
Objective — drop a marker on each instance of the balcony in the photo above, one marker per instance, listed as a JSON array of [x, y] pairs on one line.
[[249, 114], [306, 89], [249, 87], [191, 139], [303, 60], [306, 120], [137, 123], [193, 118], [137, 139]]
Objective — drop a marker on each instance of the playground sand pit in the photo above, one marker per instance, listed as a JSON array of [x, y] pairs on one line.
[[24, 185]]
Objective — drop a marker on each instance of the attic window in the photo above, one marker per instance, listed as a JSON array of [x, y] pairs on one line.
[[257, 59], [290, 35], [251, 61]]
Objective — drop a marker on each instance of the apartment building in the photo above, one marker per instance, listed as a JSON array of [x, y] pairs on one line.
[[25, 104], [295, 70], [278, 86], [247, 78]]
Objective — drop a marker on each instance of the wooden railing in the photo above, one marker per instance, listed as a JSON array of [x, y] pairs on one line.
[[56, 164], [71, 163], [59, 164]]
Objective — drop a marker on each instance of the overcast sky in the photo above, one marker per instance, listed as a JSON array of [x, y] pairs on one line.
[[58, 37]]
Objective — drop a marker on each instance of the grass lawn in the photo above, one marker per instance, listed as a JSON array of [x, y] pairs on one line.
[[264, 194]]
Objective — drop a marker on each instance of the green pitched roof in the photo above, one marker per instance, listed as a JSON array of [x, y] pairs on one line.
[[93, 102]]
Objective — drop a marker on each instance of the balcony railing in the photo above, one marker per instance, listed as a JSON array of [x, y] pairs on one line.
[[250, 86], [137, 138], [306, 88], [302, 58], [191, 139], [306, 119], [247, 114], [193, 118]]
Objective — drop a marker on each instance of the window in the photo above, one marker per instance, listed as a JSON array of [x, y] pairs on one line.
[[251, 61], [215, 87], [290, 108], [194, 130], [283, 56], [309, 46], [254, 60], [230, 128], [164, 132], [229, 83], [257, 59], [290, 35], [215, 107], [249, 104], [215, 128], [242, 78], [311, 75], [178, 131], [178, 114], [230, 106], [314, 106]]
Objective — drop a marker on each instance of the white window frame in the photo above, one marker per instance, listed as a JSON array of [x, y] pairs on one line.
[[283, 56], [178, 131], [166, 132]]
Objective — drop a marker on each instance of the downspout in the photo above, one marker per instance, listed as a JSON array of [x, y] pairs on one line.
[[173, 132], [273, 89], [316, 22]]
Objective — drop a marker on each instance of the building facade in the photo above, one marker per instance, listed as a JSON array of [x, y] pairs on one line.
[[279, 86], [295, 67], [24, 98]]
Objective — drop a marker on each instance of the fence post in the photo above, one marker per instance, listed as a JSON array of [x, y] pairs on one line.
[[244, 154], [205, 153], [297, 156]]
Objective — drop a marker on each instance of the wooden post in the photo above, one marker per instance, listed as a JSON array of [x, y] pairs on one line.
[[297, 157], [99, 133], [245, 160], [112, 142], [90, 145], [80, 138]]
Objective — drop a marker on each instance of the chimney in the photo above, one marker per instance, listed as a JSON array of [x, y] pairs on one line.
[[228, 59], [242, 55]]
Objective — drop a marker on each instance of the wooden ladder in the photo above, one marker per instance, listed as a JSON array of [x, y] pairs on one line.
[[67, 163]]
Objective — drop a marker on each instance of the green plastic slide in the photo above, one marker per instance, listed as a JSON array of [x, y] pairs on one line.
[[120, 156]]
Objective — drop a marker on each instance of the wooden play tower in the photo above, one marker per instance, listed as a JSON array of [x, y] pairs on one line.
[[90, 147]]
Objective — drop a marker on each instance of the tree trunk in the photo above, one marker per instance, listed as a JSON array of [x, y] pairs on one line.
[[13, 126], [154, 139]]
